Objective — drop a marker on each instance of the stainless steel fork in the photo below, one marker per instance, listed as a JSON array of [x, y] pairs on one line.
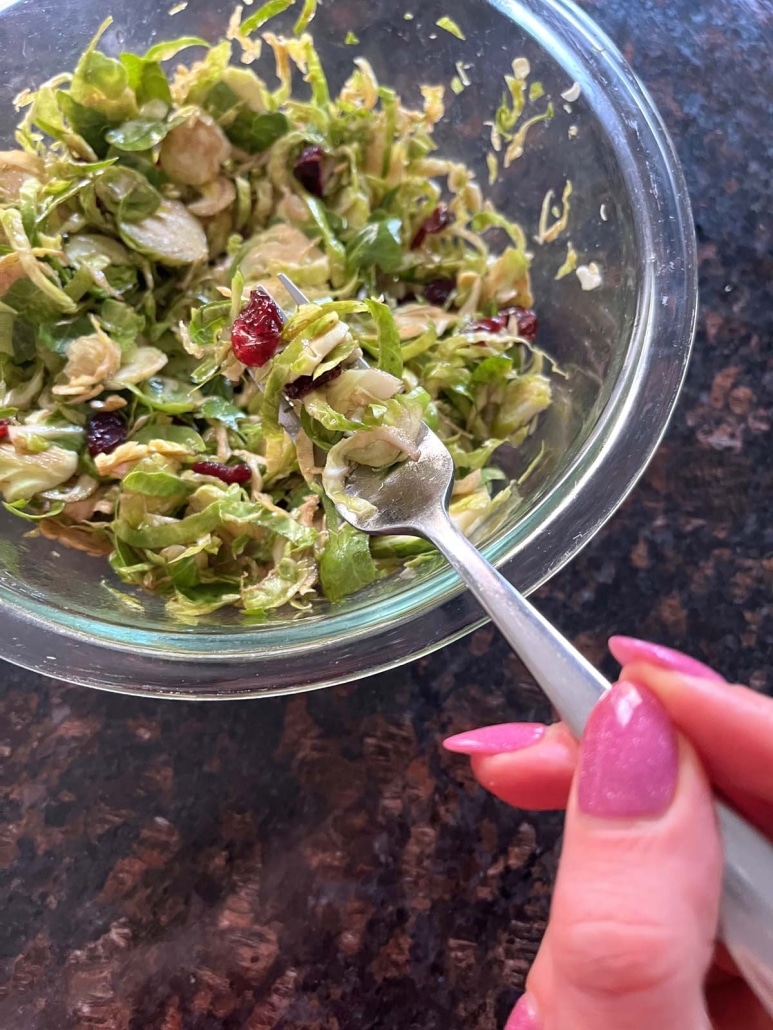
[[412, 498]]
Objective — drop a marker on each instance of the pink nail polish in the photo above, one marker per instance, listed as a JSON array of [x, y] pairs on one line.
[[523, 1016], [496, 740], [628, 649], [629, 759]]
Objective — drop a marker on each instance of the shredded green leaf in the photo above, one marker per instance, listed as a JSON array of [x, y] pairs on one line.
[[143, 213], [165, 51], [264, 13], [305, 17], [450, 26], [570, 262], [346, 565], [389, 354]]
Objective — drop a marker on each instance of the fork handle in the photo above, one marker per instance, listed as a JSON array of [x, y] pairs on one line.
[[573, 686], [567, 677]]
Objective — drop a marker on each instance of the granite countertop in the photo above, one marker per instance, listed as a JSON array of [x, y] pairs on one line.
[[317, 862]]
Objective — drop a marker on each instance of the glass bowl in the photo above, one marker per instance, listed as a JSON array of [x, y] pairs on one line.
[[624, 346]]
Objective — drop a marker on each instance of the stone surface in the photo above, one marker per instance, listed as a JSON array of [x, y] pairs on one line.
[[317, 862]]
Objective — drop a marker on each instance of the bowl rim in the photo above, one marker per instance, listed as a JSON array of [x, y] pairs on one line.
[[270, 659]]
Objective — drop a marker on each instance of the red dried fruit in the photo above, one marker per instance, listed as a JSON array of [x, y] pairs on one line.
[[225, 473], [439, 220], [438, 291], [305, 384], [105, 431], [4, 423], [527, 323], [494, 324], [308, 170], [526, 318], [257, 330]]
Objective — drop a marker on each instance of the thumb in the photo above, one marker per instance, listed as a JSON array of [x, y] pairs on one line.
[[634, 913]]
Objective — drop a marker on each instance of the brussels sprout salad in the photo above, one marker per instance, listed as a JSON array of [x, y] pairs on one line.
[[149, 353]]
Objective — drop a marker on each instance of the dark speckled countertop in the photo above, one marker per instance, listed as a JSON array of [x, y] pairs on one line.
[[317, 862]]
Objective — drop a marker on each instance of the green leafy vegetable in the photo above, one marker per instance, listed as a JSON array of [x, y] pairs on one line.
[[257, 132], [22, 476], [305, 17], [172, 396], [165, 51], [390, 358], [377, 245], [264, 13], [89, 123], [291, 577], [158, 410], [147, 80], [155, 483], [137, 134], [218, 409], [171, 235], [183, 437], [346, 565], [450, 26]]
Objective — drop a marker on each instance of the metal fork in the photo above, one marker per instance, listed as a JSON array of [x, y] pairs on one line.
[[412, 498]]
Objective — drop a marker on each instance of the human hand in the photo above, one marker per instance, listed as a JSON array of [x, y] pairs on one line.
[[630, 940]]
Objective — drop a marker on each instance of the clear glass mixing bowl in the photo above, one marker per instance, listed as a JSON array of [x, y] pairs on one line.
[[624, 346]]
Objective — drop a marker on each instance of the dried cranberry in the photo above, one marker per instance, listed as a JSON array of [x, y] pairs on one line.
[[256, 332], [4, 423], [225, 473], [527, 322], [438, 291], [495, 324], [439, 220], [105, 431], [308, 170], [305, 384]]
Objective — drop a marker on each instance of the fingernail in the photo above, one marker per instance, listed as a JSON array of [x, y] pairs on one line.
[[628, 649], [524, 1015], [629, 757], [495, 740]]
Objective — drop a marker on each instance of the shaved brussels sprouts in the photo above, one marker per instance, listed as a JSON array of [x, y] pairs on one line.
[[149, 376]]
